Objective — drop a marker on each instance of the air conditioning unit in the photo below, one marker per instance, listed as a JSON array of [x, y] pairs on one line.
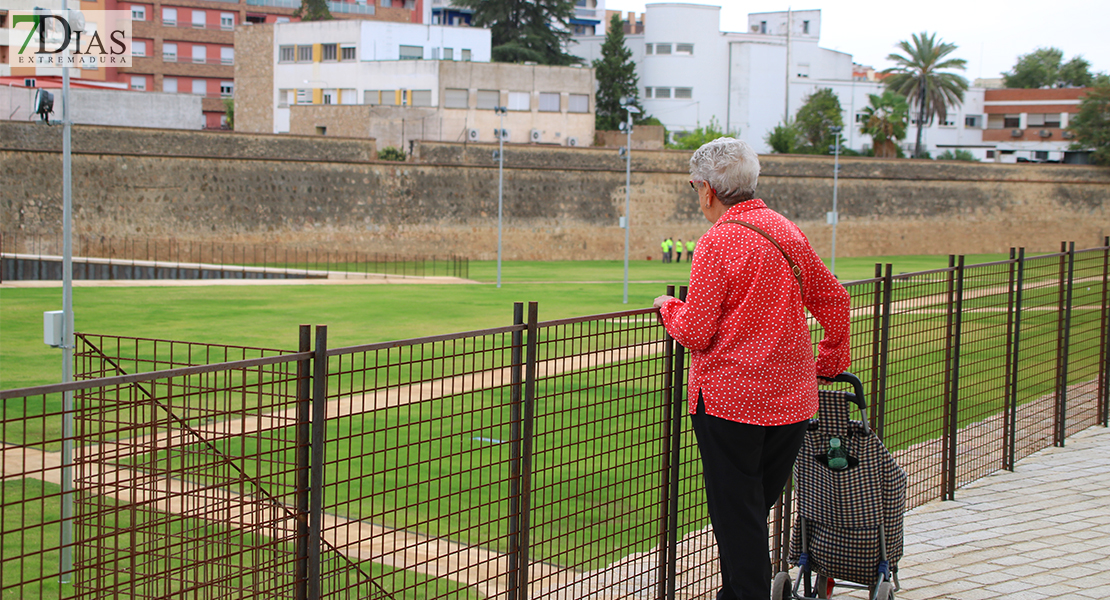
[[472, 135], [501, 134], [1068, 134], [534, 136], [572, 141], [1015, 133], [1045, 133]]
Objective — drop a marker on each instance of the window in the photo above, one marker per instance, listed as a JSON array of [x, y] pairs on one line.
[[227, 56], [138, 48], [990, 153], [995, 121], [411, 53], [388, 98], [803, 70], [371, 97], [647, 48], [198, 19], [805, 27], [200, 87], [488, 99], [169, 52], [138, 13], [662, 48], [647, 93], [348, 96], [520, 101], [304, 53], [466, 55], [456, 98], [763, 27], [329, 52], [1052, 120], [1011, 121], [949, 120], [329, 96], [683, 48], [1040, 154], [169, 17], [861, 117], [227, 89], [277, 20], [304, 96], [138, 82], [169, 84], [287, 53], [549, 101], [662, 92], [387, 3], [1035, 120], [973, 121], [421, 97], [347, 53], [321, 130], [200, 54], [227, 20], [448, 54], [684, 93], [578, 103], [285, 98]]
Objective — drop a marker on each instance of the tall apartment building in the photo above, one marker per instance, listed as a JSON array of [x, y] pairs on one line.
[[587, 18], [188, 46]]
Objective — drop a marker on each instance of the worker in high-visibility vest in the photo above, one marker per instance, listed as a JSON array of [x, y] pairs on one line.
[[667, 244], [689, 250], [678, 247]]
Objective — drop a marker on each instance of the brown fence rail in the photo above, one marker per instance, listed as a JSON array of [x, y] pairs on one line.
[[38, 257], [535, 460]]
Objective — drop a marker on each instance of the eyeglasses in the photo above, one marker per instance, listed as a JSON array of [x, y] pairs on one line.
[[694, 186]]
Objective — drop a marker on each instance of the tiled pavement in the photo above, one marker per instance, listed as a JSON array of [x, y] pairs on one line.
[[1042, 531]]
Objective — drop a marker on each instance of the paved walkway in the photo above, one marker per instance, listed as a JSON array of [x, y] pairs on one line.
[[1042, 531]]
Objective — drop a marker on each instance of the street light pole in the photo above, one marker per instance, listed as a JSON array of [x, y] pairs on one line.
[[500, 110], [66, 566], [834, 216], [627, 126]]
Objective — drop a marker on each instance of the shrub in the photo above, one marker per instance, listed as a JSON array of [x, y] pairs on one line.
[[391, 153]]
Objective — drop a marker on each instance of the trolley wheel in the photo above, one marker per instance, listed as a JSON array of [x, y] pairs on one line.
[[884, 591], [824, 587], [780, 587]]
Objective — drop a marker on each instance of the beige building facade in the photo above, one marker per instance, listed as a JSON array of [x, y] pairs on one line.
[[398, 83]]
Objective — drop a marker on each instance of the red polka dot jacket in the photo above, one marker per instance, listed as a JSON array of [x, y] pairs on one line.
[[744, 323]]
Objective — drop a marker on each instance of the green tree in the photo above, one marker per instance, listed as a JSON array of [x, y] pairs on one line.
[[616, 78], [694, 139], [1092, 125], [526, 30], [313, 10], [918, 75], [229, 112], [783, 139], [820, 112], [959, 154], [885, 121], [1045, 68], [391, 153]]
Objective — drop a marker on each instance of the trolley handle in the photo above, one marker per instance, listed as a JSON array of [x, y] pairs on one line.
[[857, 387]]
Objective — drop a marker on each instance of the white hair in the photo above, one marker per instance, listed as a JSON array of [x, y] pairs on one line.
[[730, 166]]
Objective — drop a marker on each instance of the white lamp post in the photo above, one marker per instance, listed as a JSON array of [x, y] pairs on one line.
[[627, 152], [834, 216], [500, 110]]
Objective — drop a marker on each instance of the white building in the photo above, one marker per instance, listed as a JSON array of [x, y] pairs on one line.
[[691, 72], [588, 18], [411, 81]]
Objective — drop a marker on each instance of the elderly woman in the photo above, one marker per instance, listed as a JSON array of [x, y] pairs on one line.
[[753, 377]]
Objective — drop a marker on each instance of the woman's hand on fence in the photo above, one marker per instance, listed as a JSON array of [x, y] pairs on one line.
[[661, 300]]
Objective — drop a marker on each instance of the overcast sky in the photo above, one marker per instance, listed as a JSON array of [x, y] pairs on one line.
[[990, 35]]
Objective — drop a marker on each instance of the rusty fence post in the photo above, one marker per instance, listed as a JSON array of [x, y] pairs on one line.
[[304, 417], [1013, 363], [515, 411], [316, 484], [1104, 340]]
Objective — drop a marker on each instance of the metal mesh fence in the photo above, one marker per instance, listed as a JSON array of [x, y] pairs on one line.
[[536, 460]]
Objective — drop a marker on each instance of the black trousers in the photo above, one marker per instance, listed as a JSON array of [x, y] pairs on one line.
[[745, 468]]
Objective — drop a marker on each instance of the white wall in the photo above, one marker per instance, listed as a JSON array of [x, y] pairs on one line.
[[110, 107]]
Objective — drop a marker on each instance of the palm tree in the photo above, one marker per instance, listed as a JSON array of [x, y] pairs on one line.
[[885, 121], [918, 77]]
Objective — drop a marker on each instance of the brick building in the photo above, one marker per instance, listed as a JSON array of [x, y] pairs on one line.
[[1030, 125]]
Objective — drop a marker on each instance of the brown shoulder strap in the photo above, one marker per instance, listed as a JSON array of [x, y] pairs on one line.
[[793, 267]]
